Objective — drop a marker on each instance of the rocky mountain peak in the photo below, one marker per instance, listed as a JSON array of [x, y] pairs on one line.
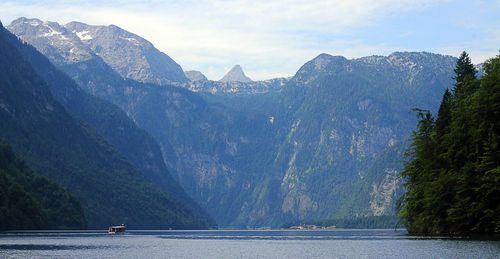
[[321, 63], [60, 45], [194, 75], [236, 74], [322, 60], [74, 25], [76, 42]]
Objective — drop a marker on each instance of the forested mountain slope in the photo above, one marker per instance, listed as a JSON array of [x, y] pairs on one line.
[[62, 147], [112, 123], [31, 201]]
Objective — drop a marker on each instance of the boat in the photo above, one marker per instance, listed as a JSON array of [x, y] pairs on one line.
[[117, 229]]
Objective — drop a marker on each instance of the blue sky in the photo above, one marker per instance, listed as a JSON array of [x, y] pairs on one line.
[[274, 38]]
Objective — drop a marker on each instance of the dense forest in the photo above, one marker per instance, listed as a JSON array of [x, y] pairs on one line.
[[31, 201], [453, 172]]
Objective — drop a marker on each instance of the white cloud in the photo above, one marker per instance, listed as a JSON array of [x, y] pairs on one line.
[[268, 38]]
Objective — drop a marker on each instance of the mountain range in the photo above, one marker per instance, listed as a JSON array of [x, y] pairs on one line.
[[49, 122], [325, 143]]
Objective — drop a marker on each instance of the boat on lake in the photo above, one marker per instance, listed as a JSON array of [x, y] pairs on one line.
[[117, 229]]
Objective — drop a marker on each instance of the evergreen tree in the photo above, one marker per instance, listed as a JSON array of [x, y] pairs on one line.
[[487, 118], [462, 149], [464, 71], [443, 120], [417, 174], [453, 175]]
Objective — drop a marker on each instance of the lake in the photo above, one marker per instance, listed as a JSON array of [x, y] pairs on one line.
[[240, 244]]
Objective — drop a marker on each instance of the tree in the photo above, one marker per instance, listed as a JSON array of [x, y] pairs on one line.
[[443, 120], [464, 71], [418, 173], [487, 118], [453, 175]]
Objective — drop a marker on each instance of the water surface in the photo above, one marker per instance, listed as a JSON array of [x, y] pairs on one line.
[[241, 244]]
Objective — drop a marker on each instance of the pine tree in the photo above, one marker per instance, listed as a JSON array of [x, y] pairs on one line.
[[487, 118], [453, 176], [417, 173], [443, 120], [464, 71]]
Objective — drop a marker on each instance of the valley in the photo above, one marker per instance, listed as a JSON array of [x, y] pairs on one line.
[[326, 143]]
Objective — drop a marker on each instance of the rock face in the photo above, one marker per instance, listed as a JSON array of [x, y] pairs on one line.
[[194, 75], [237, 88], [128, 54], [236, 74], [52, 39]]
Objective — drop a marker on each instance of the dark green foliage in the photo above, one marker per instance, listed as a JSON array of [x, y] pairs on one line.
[[31, 201], [65, 149], [453, 174], [443, 120], [464, 71], [18, 209]]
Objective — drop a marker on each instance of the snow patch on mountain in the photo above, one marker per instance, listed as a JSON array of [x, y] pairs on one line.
[[83, 35]]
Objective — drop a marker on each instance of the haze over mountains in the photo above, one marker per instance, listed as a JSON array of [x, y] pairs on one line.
[[325, 143]]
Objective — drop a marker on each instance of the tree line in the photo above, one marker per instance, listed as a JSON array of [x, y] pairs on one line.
[[452, 176]]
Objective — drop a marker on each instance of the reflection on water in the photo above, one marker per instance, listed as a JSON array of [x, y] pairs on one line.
[[45, 247], [288, 235], [241, 244]]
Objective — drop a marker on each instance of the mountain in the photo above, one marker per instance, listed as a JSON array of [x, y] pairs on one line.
[[339, 133], [326, 143], [59, 44], [66, 149], [194, 75], [111, 122], [31, 201], [80, 41], [236, 74]]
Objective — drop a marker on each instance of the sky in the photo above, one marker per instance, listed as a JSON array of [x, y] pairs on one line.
[[274, 38]]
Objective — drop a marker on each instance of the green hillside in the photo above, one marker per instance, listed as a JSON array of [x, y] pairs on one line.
[[31, 201]]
